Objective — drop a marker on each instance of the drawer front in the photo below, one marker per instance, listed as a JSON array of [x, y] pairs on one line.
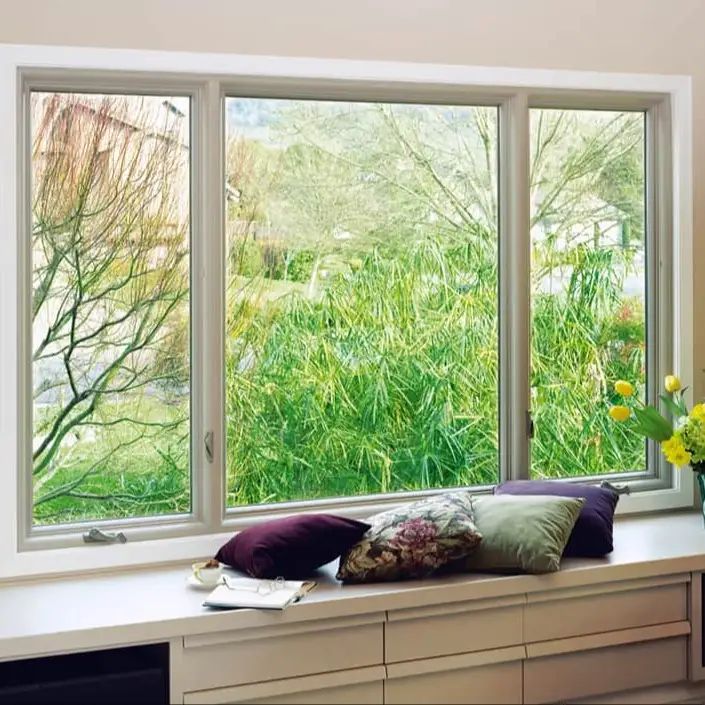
[[607, 612], [280, 655], [364, 686], [609, 670], [357, 694], [496, 684], [455, 632]]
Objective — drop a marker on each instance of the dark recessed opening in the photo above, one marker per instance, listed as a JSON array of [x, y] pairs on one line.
[[131, 674]]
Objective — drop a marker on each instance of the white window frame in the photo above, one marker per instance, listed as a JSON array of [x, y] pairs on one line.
[[209, 77]]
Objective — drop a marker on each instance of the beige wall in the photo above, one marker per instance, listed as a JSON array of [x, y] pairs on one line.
[[649, 36]]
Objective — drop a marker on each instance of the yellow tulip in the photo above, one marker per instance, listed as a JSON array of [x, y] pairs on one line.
[[672, 384], [626, 389], [620, 413], [698, 413]]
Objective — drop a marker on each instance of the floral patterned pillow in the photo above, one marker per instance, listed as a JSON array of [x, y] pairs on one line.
[[412, 541]]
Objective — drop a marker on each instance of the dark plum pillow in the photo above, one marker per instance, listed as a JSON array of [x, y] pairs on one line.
[[592, 534], [291, 547]]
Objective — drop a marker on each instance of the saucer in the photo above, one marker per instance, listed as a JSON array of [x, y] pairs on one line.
[[191, 580]]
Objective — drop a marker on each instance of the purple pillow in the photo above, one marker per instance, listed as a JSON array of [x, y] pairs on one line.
[[292, 547], [592, 534]]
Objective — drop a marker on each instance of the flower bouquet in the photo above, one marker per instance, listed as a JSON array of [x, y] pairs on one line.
[[682, 439]]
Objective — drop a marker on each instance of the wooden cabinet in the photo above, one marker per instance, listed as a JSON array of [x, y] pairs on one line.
[[483, 678], [605, 608], [362, 686], [453, 629], [591, 642], [612, 669], [280, 652]]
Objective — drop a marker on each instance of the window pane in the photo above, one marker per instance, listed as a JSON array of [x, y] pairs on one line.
[[110, 306], [588, 285], [362, 298]]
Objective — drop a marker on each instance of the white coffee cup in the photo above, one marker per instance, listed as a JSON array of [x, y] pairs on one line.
[[207, 574]]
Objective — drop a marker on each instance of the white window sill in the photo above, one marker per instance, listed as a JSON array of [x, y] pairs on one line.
[[53, 556], [86, 612]]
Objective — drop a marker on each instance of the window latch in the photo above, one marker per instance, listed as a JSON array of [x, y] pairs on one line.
[[208, 444], [617, 489], [98, 536], [529, 425]]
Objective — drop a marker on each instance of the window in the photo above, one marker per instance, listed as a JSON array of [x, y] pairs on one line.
[[588, 279], [361, 336], [242, 295], [110, 307]]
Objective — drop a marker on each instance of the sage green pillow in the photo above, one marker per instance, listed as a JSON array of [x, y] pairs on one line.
[[522, 533]]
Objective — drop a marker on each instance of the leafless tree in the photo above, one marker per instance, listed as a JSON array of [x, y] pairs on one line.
[[110, 288]]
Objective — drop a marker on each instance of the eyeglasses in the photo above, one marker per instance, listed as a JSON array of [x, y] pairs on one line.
[[263, 587]]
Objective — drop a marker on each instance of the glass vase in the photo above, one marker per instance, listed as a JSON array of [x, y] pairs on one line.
[[699, 471]]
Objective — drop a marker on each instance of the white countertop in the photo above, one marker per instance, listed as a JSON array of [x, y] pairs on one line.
[[88, 612]]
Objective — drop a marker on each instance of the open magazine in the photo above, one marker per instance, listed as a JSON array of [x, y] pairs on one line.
[[251, 593]]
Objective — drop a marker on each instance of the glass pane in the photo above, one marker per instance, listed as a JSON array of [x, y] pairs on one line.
[[110, 306], [588, 287], [362, 298]]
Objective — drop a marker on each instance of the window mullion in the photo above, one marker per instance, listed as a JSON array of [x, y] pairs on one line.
[[659, 270], [208, 341], [24, 274], [514, 278]]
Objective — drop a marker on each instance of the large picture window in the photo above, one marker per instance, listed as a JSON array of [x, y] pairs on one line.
[[361, 337], [242, 295]]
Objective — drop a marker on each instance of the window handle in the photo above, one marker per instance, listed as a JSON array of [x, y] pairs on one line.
[[529, 425], [617, 489], [208, 443], [98, 536]]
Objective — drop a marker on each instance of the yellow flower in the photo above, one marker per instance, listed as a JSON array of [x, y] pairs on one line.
[[672, 384], [675, 451], [673, 443], [626, 389], [620, 413], [698, 413], [679, 457]]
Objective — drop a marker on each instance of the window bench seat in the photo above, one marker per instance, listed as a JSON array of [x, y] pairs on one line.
[[627, 628]]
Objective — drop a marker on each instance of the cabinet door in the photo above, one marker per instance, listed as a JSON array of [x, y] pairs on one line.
[[357, 694], [466, 679], [613, 669], [458, 628], [227, 659], [606, 608], [360, 686]]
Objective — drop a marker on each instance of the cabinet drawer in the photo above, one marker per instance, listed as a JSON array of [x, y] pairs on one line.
[[358, 694], [608, 670], [453, 629], [580, 612], [457, 679], [363, 686], [278, 652]]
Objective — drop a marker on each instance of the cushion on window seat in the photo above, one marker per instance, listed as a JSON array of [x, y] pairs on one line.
[[412, 541], [291, 547], [592, 534], [520, 534]]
